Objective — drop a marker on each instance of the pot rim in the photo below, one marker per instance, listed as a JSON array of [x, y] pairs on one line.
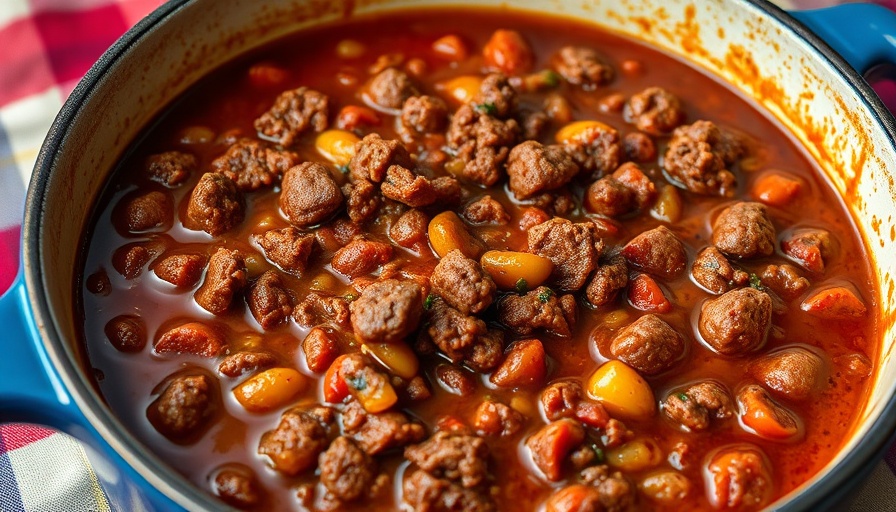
[[835, 485]]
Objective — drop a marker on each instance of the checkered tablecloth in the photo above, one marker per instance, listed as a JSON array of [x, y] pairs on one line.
[[45, 48]]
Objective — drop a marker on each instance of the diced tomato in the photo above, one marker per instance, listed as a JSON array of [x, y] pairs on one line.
[[645, 294]]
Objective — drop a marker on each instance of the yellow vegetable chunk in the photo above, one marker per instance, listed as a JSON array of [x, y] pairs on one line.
[[398, 358], [623, 392], [635, 455], [581, 131], [508, 267], [447, 232], [463, 88], [375, 398], [270, 389], [668, 206], [337, 146]]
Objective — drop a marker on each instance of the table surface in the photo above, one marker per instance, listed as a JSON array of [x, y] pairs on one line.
[[55, 42]]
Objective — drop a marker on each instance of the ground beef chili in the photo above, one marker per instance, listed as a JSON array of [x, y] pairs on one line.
[[410, 271]]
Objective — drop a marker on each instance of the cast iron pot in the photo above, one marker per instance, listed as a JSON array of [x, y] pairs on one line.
[[768, 54]]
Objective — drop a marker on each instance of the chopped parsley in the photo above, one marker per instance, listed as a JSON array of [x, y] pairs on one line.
[[486, 108], [343, 168], [551, 78], [522, 286], [545, 295], [427, 304], [350, 297], [599, 456], [683, 397], [756, 283], [358, 383]]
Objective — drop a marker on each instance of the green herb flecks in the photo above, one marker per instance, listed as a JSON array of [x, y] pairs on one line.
[[343, 168], [522, 286], [486, 108], [551, 78], [545, 295], [756, 283], [599, 456], [358, 383], [350, 297], [427, 304], [683, 397]]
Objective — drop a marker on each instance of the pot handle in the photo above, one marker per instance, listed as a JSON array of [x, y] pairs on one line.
[[32, 392], [864, 34]]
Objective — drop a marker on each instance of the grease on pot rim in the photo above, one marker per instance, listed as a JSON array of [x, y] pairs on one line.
[[480, 264]]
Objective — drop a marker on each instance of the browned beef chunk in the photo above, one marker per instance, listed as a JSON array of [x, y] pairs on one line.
[[374, 155], [130, 259], [293, 113], [792, 372], [295, 445], [244, 362], [269, 301], [597, 152], [387, 311], [481, 144], [452, 331], [540, 308], [535, 168], [453, 455], [654, 110], [224, 280], [316, 309], [252, 164], [455, 380], [610, 277], [496, 97], [448, 191], [127, 333], [552, 443], [463, 283], [183, 410], [321, 347], [486, 353], [699, 155], [309, 194], [346, 470], [237, 486], [615, 491], [486, 210], [648, 344], [638, 147], [559, 400], [658, 252], [411, 229], [148, 211], [736, 322], [713, 271], [573, 248], [744, 230], [625, 191], [361, 257], [426, 493], [363, 200], [809, 247], [180, 269], [496, 419], [784, 280], [582, 66], [216, 205], [404, 186], [192, 338], [288, 248], [171, 168], [377, 433], [390, 88], [695, 406], [424, 114]]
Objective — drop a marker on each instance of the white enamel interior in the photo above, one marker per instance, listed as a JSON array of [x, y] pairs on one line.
[[733, 39]]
